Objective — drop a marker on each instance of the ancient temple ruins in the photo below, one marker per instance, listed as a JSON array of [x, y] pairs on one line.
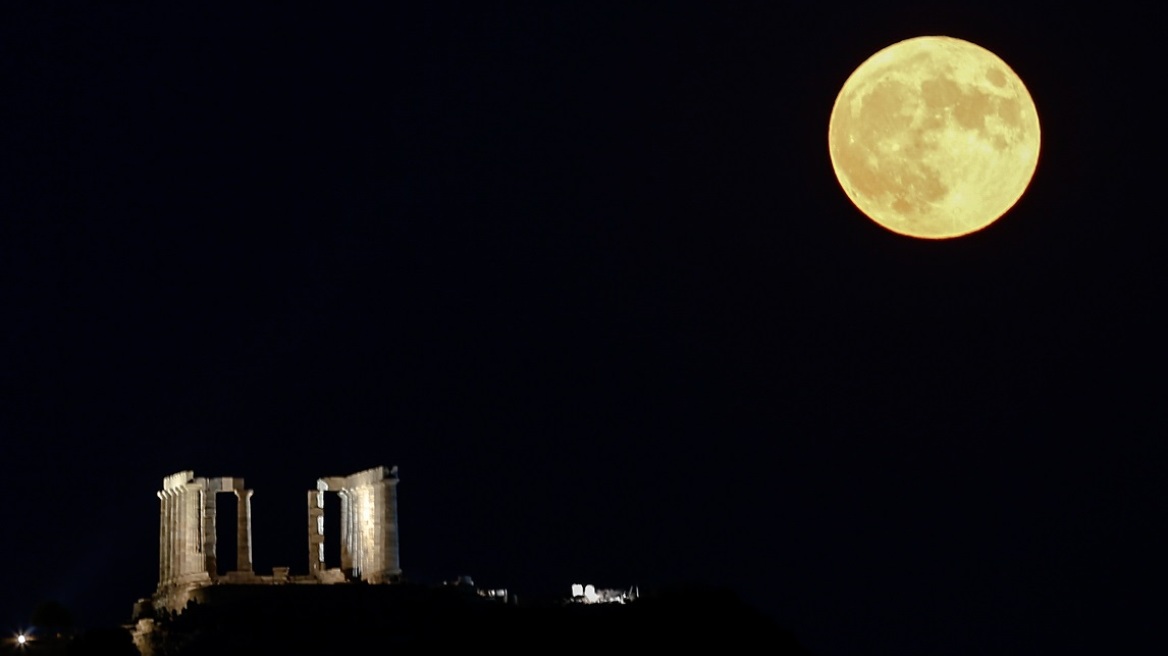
[[368, 525], [186, 538], [189, 555]]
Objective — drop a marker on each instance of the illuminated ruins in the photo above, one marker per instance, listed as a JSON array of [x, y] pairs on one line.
[[188, 561], [590, 594], [206, 605]]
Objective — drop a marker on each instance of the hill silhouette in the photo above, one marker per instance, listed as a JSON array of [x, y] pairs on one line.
[[406, 619]]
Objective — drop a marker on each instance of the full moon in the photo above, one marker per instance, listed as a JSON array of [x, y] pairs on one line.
[[934, 137]]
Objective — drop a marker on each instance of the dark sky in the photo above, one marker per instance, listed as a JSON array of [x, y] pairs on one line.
[[583, 271]]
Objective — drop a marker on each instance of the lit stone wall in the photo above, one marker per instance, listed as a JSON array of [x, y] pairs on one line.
[[369, 538], [186, 535]]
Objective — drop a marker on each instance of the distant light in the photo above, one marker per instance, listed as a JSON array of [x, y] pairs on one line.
[[21, 639], [590, 594]]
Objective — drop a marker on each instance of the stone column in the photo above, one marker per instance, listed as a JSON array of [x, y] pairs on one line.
[[163, 538], [179, 526], [361, 509], [315, 531], [172, 527], [194, 546], [243, 531], [364, 537], [194, 551], [184, 532], [390, 562], [379, 527], [176, 527], [346, 532], [210, 519]]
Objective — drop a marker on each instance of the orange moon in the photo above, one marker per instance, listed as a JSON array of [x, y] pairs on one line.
[[934, 137]]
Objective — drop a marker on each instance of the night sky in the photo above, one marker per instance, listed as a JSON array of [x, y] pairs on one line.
[[582, 270]]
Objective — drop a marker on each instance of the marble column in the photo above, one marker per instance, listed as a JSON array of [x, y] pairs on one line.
[[389, 562], [210, 526], [243, 531], [184, 532], [347, 533], [315, 531], [163, 537]]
